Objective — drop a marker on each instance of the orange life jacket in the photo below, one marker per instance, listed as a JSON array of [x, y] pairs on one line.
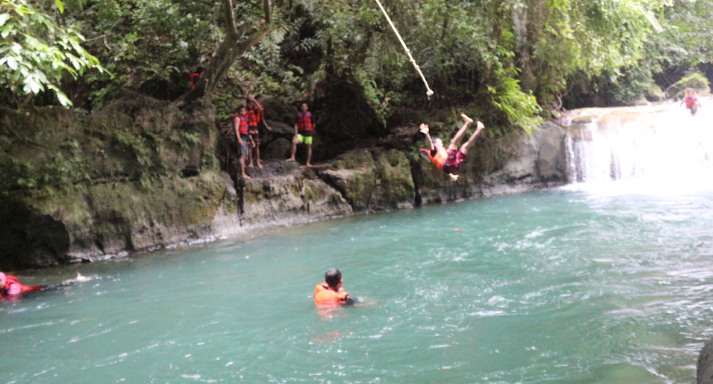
[[439, 159], [323, 295]]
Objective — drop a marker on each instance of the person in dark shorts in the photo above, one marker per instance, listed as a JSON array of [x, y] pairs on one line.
[[256, 120], [240, 124], [449, 160], [304, 130]]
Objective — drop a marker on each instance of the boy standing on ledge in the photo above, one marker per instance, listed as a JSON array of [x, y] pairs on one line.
[[304, 130], [240, 124], [450, 160]]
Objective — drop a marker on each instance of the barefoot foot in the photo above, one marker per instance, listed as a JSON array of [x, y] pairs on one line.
[[467, 119], [290, 159]]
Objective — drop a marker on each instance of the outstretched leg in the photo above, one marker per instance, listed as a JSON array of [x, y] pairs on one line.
[[464, 147], [454, 142]]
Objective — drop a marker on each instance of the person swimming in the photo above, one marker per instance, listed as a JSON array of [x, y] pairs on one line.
[[330, 293], [10, 286]]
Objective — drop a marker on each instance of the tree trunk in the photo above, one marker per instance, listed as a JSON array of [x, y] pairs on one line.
[[234, 45]]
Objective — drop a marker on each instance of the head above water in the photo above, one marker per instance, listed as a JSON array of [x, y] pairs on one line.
[[333, 278], [3, 279]]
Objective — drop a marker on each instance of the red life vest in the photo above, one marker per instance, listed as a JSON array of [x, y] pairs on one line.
[[259, 113], [691, 101], [10, 280], [243, 125], [252, 117], [439, 159], [304, 122], [194, 79], [325, 296]]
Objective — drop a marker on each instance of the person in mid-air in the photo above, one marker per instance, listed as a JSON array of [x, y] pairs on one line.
[[330, 292], [450, 159], [304, 130], [692, 102], [10, 286], [195, 76]]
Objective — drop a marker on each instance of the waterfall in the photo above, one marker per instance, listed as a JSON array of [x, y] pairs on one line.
[[661, 143]]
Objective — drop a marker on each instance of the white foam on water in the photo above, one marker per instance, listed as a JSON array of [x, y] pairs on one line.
[[645, 150]]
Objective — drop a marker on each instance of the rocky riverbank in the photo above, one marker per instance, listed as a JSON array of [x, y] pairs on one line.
[[142, 174]]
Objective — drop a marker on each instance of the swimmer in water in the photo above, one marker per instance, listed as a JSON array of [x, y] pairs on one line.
[[449, 160], [330, 293], [11, 287]]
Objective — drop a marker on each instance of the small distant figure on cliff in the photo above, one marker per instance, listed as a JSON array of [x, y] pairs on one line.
[[692, 102], [304, 130], [330, 293], [240, 123], [195, 76], [256, 120], [450, 160]]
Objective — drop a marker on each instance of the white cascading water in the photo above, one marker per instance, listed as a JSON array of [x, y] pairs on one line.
[[652, 144]]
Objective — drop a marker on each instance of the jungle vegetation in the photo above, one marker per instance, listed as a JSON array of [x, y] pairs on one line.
[[511, 62]]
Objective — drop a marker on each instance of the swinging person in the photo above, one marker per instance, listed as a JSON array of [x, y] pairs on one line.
[[449, 160]]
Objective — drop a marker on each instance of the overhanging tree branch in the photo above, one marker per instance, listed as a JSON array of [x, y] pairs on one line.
[[236, 43]]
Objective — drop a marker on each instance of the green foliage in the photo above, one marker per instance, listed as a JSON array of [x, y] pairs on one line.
[[36, 50]]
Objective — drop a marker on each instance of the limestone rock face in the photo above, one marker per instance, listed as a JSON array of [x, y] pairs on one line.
[[296, 197], [373, 179], [141, 174], [73, 224]]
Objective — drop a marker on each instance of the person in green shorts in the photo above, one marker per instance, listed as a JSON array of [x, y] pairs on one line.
[[304, 130]]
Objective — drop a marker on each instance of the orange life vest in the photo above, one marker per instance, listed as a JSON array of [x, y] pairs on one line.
[[439, 159], [691, 101], [323, 295]]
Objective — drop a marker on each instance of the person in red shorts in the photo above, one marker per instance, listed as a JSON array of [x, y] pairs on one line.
[[449, 160], [330, 293], [10, 286]]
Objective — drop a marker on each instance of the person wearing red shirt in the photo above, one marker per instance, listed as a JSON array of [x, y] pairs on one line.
[[450, 160], [240, 124], [304, 130]]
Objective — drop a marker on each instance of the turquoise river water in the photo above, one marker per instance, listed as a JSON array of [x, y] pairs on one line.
[[570, 285]]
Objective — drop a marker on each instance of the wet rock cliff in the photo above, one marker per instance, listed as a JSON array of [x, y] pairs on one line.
[[141, 174]]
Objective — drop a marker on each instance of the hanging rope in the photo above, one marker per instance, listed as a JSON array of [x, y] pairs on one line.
[[429, 93]]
